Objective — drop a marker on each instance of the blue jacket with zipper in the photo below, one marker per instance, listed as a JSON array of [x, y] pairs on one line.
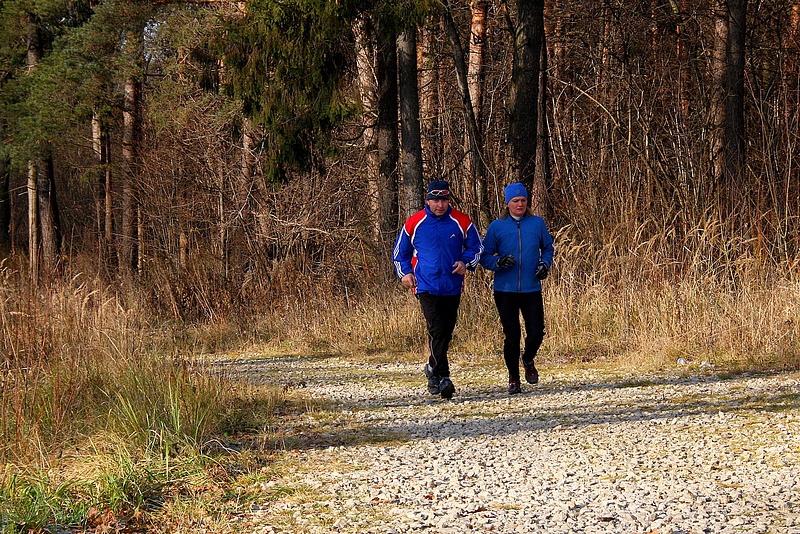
[[428, 246], [528, 241]]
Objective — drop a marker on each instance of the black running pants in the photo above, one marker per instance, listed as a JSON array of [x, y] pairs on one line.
[[440, 314], [509, 306]]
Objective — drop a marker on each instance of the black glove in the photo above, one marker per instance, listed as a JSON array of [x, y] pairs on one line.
[[504, 262], [541, 271]]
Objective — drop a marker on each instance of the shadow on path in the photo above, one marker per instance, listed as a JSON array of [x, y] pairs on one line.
[[561, 403]]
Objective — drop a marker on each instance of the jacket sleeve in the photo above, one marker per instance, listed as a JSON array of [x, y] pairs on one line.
[[490, 249], [473, 248], [546, 246], [402, 253]]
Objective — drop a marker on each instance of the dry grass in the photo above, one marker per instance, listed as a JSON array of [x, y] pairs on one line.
[[623, 317]]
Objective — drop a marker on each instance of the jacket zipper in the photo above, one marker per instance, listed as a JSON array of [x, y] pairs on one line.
[[519, 255]]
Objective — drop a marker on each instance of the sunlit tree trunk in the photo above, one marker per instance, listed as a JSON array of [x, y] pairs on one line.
[[386, 136], [429, 102], [129, 245], [101, 147], [44, 232], [475, 82], [34, 54], [480, 208], [412, 197], [475, 64], [366, 62], [33, 222]]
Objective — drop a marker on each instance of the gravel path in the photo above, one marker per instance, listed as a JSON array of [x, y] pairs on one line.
[[583, 451]]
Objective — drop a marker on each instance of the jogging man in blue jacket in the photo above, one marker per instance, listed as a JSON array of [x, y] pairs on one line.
[[519, 248], [434, 249]]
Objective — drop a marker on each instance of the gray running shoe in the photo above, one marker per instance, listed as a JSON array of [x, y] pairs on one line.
[[446, 388], [433, 380]]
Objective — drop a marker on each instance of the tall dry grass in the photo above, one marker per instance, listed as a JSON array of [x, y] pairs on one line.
[[640, 299], [104, 405], [85, 363]]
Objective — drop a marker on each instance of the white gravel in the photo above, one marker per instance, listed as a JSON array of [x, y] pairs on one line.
[[582, 451]]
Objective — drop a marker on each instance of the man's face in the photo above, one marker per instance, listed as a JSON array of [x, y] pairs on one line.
[[438, 206], [518, 206]]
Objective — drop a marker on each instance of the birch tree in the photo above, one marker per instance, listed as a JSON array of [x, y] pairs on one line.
[[480, 211]]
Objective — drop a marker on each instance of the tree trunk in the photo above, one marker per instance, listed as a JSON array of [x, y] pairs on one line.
[[33, 222], [5, 206], [411, 163], [366, 62], [718, 97], [475, 82], [681, 52], [429, 103], [43, 221], [475, 68], [34, 50], [386, 136], [101, 146], [251, 200], [524, 91], [540, 201], [480, 211], [129, 245], [49, 220], [734, 106]]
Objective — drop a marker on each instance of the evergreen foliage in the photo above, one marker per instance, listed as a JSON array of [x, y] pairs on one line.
[[37, 104], [288, 62]]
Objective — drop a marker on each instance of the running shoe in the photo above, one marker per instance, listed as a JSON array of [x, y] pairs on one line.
[[531, 374]]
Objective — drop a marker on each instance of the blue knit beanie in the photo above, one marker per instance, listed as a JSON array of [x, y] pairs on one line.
[[438, 190], [515, 190]]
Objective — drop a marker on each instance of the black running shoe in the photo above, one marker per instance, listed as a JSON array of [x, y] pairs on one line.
[[514, 387], [433, 380], [531, 374], [446, 388]]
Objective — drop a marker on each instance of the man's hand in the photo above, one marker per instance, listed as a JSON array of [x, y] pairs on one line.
[[409, 280], [459, 267], [504, 262]]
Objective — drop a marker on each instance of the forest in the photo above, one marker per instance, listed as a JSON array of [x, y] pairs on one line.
[[179, 178], [171, 139]]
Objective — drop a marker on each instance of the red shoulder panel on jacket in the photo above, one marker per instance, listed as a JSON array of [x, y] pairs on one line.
[[413, 221], [462, 219]]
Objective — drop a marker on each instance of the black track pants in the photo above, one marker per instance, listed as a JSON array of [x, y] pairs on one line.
[[440, 316]]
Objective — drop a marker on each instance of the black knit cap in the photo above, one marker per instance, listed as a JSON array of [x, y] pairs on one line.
[[438, 190]]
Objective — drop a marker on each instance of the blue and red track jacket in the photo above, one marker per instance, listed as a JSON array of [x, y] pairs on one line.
[[428, 246]]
